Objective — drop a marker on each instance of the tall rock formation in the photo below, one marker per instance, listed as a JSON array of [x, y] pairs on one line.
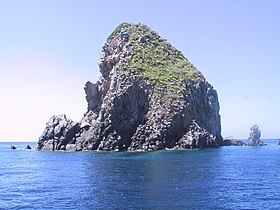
[[255, 135], [149, 97]]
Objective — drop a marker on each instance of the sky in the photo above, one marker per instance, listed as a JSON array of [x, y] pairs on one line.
[[49, 49]]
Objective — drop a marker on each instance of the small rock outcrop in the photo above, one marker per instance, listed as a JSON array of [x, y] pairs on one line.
[[255, 135], [230, 141], [59, 132], [28, 147], [149, 97]]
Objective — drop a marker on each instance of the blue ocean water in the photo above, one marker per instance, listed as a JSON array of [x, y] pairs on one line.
[[220, 178]]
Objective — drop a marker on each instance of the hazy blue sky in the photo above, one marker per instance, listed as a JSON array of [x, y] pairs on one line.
[[50, 48]]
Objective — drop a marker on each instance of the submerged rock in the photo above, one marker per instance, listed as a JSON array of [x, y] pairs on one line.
[[254, 138], [230, 141], [149, 97]]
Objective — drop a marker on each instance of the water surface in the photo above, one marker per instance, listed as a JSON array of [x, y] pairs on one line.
[[220, 178]]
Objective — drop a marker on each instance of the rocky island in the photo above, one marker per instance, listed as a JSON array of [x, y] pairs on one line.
[[149, 97], [255, 135]]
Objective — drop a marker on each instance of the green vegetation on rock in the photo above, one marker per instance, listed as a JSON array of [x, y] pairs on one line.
[[155, 59], [118, 29]]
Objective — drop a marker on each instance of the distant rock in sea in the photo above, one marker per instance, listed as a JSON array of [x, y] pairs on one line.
[[230, 141], [254, 138], [28, 147], [149, 97]]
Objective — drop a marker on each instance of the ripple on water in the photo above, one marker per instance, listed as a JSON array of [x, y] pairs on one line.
[[228, 177]]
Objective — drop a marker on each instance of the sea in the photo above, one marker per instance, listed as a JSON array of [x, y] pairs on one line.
[[215, 178]]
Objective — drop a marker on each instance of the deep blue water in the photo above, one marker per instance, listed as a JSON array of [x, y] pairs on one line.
[[221, 178]]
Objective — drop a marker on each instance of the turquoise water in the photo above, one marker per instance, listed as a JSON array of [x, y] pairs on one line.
[[221, 178]]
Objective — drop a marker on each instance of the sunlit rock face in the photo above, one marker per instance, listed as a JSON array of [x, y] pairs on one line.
[[149, 97], [59, 132]]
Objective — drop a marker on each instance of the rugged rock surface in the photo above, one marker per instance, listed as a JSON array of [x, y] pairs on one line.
[[254, 138], [230, 141], [149, 97], [59, 132]]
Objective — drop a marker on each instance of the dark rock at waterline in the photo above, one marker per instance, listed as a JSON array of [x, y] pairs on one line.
[[230, 141], [254, 138], [196, 137], [149, 97], [28, 147]]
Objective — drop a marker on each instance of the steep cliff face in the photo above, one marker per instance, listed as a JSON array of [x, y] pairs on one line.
[[149, 97]]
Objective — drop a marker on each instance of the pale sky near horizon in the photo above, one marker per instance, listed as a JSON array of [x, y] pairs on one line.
[[50, 48]]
